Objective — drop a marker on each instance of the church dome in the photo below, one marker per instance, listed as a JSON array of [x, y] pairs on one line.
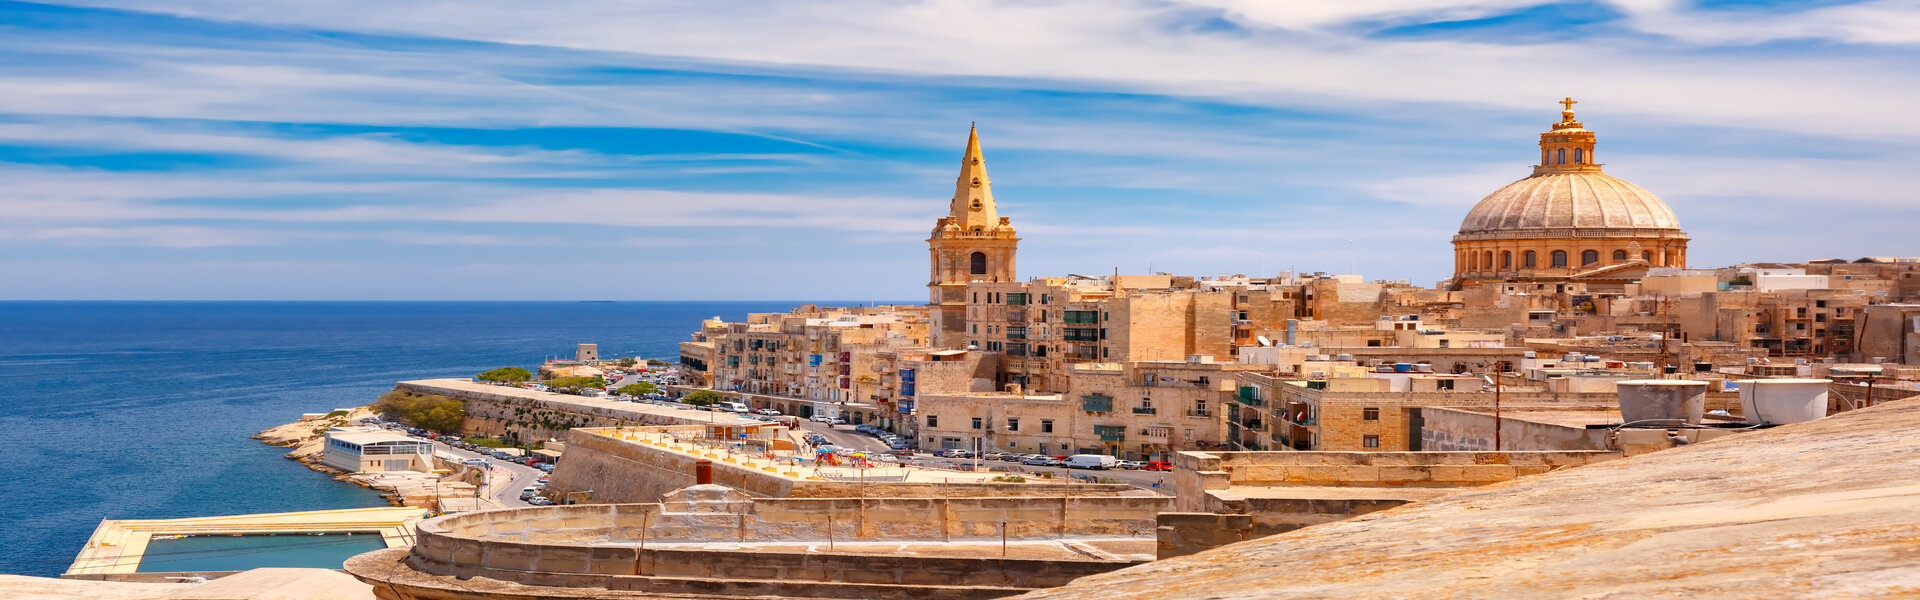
[[1569, 200]]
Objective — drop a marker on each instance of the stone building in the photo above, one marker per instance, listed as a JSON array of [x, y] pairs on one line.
[[1568, 220], [1139, 410], [972, 243]]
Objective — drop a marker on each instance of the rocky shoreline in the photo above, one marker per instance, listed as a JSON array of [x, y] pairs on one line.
[[307, 437]]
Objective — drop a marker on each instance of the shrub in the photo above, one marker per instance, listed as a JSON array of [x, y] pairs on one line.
[[1010, 479], [575, 385], [506, 375], [426, 411]]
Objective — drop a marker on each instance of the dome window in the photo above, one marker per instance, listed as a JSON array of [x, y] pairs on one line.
[[1529, 261], [1579, 155], [1646, 255], [1561, 156], [1559, 259], [979, 260], [1506, 259], [1589, 257], [1619, 255]]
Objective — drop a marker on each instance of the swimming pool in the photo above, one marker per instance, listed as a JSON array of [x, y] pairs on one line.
[[242, 552]]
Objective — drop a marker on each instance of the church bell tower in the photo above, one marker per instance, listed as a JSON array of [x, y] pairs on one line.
[[972, 243]]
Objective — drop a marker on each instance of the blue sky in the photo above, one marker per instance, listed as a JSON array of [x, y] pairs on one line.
[[487, 149]]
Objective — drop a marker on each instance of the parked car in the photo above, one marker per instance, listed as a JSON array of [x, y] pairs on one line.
[[1056, 461], [526, 493], [768, 412], [1157, 466], [1132, 465], [1035, 459], [1012, 457]]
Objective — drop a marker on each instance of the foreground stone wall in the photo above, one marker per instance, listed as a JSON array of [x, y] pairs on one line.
[[1197, 473]]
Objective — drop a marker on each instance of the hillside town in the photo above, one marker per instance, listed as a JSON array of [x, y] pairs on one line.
[[1565, 283]]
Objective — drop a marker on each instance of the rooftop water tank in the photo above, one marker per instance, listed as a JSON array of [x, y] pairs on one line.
[[1423, 368], [1662, 400], [1343, 357], [1528, 354], [1783, 401], [1403, 367]]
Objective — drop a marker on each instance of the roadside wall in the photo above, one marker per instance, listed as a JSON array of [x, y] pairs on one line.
[[1445, 429]]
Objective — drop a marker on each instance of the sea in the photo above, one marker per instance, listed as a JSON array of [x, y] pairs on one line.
[[142, 410]]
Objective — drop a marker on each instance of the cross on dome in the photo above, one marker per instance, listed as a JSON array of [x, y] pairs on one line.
[[1569, 102]]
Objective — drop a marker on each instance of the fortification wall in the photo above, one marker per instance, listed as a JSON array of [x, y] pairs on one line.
[[624, 471], [1196, 473]]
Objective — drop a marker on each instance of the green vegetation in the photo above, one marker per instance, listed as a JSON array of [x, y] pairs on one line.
[[426, 411], [626, 362], [639, 390], [655, 362], [506, 375], [336, 414], [703, 398], [486, 442], [575, 385], [1010, 479]]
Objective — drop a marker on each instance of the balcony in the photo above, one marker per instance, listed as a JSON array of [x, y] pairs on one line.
[[1144, 410], [1110, 433], [1096, 403], [1199, 413]]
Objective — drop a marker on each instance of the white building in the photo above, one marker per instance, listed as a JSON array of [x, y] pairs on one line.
[[363, 450]]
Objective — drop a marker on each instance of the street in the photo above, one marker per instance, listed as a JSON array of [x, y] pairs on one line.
[[845, 436], [504, 479]]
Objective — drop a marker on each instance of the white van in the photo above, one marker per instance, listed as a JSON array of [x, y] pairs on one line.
[[735, 407], [1092, 461]]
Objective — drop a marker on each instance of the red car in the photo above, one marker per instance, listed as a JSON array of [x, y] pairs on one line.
[[1157, 466]]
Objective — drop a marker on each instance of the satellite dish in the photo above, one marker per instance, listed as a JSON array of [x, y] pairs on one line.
[[1263, 340]]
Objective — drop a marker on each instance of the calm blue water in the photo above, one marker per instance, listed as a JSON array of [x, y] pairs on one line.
[[141, 410], [241, 552]]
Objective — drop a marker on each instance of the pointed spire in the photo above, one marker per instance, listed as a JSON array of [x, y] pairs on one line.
[[973, 206]]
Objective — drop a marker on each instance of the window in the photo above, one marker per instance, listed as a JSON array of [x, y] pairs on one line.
[[1560, 157], [1446, 343], [976, 422], [1017, 299], [1046, 426], [1579, 155], [932, 421], [1371, 441], [1559, 259], [979, 260], [1371, 413], [976, 297], [1444, 384], [1646, 255], [1506, 259], [1588, 257], [1619, 255], [1373, 343], [1086, 317], [1013, 424], [1527, 260]]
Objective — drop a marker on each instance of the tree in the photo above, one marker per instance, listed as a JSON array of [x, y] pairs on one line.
[[575, 385], [627, 362], [655, 362], [426, 411], [639, 390], [703, 398], [506, 375]]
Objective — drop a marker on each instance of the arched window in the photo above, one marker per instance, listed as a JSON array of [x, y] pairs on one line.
[[1559, 259], [1588, 257], [1579, 154], [1486, 260], [1506, 259], [1546, 156], [1528, 260], [979, 261], [1473, 261], [1562, 153], [1619, 255]]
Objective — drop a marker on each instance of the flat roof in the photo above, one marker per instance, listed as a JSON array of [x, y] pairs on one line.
[[371, 437]]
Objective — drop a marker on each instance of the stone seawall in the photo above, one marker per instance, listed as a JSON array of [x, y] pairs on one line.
[[495, 410]]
